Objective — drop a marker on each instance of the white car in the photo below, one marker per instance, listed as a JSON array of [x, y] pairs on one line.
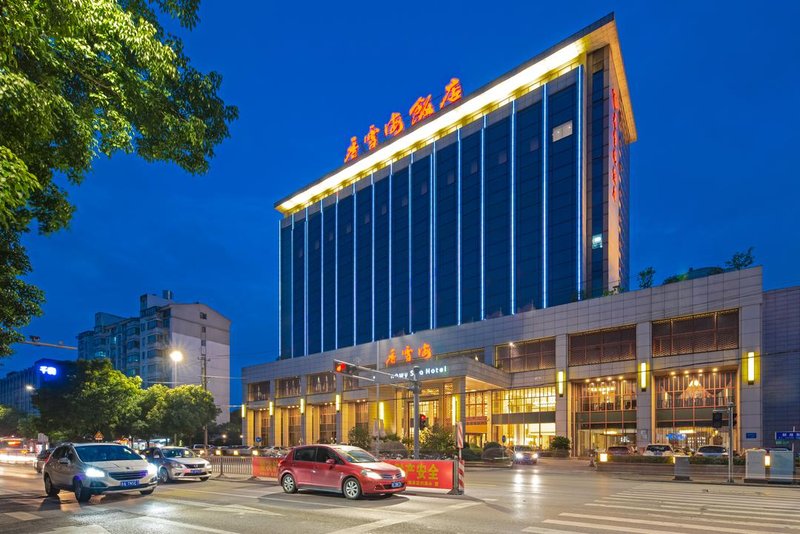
[[658, 449], [712, 451], [177, 462], [93, 468]]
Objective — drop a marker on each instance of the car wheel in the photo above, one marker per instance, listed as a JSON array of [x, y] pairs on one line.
[[203, 479], [81, 494], [49, 488], [147, 492], [163, 476], [288, 483], [351, 488]]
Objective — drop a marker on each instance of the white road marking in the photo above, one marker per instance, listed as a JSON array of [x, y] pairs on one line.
[[82, 529], [639, 521], [23, 516], [732, 508], [595, 526], [715, 498], [542, 530], [179, 524], [679, 510], [375, 525]]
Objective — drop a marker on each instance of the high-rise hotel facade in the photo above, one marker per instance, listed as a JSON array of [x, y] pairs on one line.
[[489, 244]]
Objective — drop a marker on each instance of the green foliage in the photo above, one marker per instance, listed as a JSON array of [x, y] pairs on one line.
[[470, 454], [741, 260], [359, 437], [9, 420], [438, 439], [560, 443], [91, 397], [83, 79], [646, 278], [184, 409], [491, 445]]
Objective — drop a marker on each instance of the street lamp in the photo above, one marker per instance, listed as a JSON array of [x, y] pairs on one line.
[[29, 387], [176, 356]]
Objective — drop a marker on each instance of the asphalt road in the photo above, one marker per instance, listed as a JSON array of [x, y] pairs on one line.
[[553, 497]]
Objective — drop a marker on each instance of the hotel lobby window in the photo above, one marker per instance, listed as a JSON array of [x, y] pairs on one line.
[[605, 414]]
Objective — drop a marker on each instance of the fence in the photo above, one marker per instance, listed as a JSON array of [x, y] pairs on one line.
[[231, 465]]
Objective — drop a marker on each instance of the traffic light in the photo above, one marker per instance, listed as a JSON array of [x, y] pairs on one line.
[[423, 421], [716, 420], [344, 368]]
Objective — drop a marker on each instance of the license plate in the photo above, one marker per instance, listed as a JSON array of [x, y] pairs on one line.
[[197, 471], [397, 484], [129, 483]]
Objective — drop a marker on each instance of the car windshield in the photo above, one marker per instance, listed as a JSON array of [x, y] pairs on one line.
[[357, 456], [712, 449], [659, 448], [106, 453], [178, 453]]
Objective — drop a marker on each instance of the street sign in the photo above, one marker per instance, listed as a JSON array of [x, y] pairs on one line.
[[258, 439], [787, 435], [750, 435], [98, 436], [503, 439]]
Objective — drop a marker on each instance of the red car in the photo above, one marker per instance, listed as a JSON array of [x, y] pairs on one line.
[[340, 468]]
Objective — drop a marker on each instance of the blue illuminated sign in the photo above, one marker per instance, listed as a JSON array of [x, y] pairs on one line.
[[676, 437], [48, 370], [787, 435]]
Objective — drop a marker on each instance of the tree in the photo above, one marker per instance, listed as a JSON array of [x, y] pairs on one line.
[[150, 419], [437, 439], [185, 409], [92, 397], [359, 437], [9, 420], [560, 443], [741, 260], [646, 278], [84, 79]]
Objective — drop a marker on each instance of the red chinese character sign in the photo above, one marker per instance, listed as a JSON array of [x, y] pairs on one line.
[[424, 352], [421, 110]]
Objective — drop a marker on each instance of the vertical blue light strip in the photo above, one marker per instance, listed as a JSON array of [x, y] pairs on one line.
[[336, 273], [391, 238], [545, 141], [291, 283], [372, 227], [280, 290], [513, 206], [579, 173], [321, 278], [458, 230], [432, 239], [305, 282], [355, 259], [410, 241], [483, 206]]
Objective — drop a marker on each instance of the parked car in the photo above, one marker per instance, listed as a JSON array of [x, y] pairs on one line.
[[712, 451], [620, 450], [658, 449], [339, 468], [42, 457], [496, 454], [177, 462], [200, 450], [237, 450], [93, 468], [524, 454]]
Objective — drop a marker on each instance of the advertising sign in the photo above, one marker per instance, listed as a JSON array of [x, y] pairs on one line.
[[435, 474], [265, 467]]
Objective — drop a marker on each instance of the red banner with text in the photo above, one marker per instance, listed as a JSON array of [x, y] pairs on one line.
[[265, 467], [435, 474]]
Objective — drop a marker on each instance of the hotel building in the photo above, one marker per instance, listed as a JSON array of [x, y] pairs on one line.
[[489, 244]]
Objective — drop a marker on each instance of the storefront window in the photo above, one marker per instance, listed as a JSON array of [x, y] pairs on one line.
[[327, 424], [602, 395], [605, 414], [295, 427], [525, 400], [362, 415], [526, 355]]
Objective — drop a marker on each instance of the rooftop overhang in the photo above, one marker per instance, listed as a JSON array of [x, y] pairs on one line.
[[551, 63]]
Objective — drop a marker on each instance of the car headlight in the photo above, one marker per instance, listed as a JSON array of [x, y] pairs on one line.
[[518, 456], [535, 455], [152, 470], [371, 474], [94, 472], [402, 473]]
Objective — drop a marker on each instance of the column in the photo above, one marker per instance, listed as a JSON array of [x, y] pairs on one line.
[[339, 382], [645, 405], [271, 429], [563, 416], [304, 411], [749, 431]]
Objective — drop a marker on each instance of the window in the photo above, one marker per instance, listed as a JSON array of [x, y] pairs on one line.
[[288, 387], [327, 424], [697, 333], [597, 241], [305, 454], [692, 390], [203, 315], [362, 415], [477, 407], [527, 400], [321, 383], [295, 428], [526, 356], [602, 395], [603, 346], [562, 130], [258, 391]]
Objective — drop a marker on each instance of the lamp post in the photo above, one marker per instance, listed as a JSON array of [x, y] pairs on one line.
[[176, 356]]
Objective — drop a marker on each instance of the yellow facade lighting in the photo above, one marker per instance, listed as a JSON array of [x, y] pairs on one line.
[[271, 408], [603, 457], [643, 376], [302, 406], [751, 367], [560, 379], [381, 411], [338, 403], [453, 410]]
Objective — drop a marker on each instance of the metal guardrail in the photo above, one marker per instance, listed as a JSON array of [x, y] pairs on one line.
[[231, 465]]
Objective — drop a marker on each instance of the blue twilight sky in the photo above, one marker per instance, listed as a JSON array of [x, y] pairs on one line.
[[714, 89]]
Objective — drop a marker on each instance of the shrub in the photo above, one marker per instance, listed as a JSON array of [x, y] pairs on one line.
[[560, 443], [437, 439], [359, 437], [470, 454], [491, 445]]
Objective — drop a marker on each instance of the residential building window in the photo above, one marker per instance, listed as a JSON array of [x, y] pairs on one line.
[[603, 346], [526, 355], [697, 333]]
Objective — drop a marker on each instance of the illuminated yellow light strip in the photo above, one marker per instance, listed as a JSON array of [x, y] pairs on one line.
[[271, 408], [381, 412], [244, 410], [502, 91], [560, 382], [453, 410], [302, 406], [751, 367], [643, 375], [338, 403]]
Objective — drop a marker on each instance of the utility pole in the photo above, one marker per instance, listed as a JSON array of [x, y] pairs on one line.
[[415, 391], [730, 442], [204, 382]]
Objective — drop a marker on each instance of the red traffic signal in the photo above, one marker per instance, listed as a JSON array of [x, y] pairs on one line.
[[344, 368], [423, 421]]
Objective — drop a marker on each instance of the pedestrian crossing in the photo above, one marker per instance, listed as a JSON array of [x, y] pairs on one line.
[[657, 508]]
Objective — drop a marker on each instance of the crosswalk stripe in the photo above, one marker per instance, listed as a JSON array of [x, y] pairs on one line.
[[710, 497], [677, 510], [688, 490], [712, 502], [23, 516], [542, 530], [762, 523], [707, 506], [595, 526], [639, 521]]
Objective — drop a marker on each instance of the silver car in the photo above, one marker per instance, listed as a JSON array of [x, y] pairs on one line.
[[94, 468]]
